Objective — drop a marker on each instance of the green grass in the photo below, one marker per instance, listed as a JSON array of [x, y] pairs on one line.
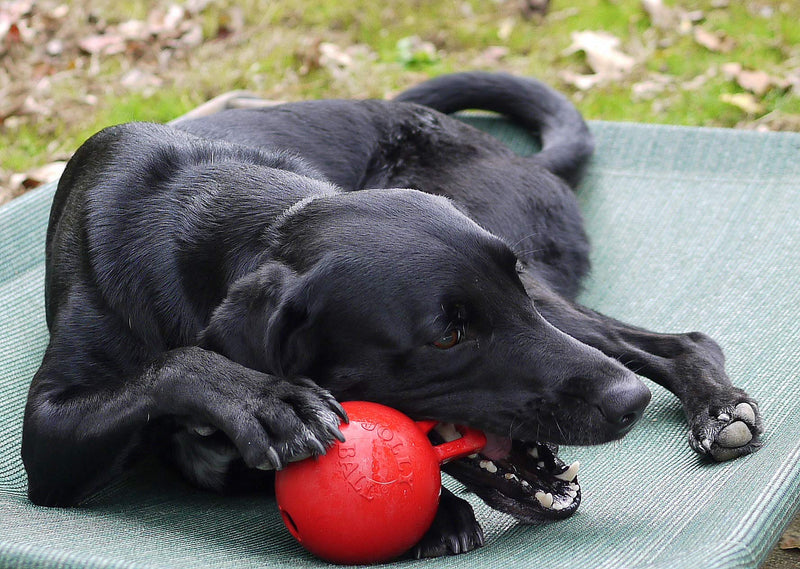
[[268, 56]]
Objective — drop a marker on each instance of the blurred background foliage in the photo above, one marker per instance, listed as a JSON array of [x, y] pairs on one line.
[[71, 68]]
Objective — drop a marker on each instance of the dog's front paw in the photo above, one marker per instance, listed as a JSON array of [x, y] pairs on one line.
[[728, 431], [454, 530], [299, 419]]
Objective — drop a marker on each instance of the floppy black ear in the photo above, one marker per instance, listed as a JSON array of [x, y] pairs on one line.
[[242, 327], [292, 336]]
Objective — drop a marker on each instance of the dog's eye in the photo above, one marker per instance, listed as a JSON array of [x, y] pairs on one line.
[[449, 339]]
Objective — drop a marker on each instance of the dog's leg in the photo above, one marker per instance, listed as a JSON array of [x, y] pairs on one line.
[[77, 437], [724, 421], [454, 529]]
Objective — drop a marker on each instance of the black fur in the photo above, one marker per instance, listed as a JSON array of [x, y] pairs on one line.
[[242, 272]]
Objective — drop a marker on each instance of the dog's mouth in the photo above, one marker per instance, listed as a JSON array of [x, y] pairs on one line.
[[525, 480]]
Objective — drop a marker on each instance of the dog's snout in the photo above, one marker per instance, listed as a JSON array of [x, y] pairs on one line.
[[623, 403]]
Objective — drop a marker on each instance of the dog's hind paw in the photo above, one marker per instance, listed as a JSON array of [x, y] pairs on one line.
[[729, 432], [454, 530]]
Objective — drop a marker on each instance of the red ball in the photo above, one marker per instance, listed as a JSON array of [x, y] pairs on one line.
[[372, 497]]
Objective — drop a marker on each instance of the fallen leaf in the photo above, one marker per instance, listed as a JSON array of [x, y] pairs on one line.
[[505, 29], [745, 101], [11, 14], [698, 81], [661, 16], [602, 54], [193, 37], [758, 82], [731, 70], [718, 42], [107, 44], [790, 539], [339, 61], [36, 177], [331, 55], [133, 30], [492, 55], [652, 87], [581, 81], [138, 80]]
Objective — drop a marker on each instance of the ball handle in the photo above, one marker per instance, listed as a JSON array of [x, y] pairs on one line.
[[471, 441]]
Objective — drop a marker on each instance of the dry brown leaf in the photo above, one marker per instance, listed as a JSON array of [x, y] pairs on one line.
[[652, 87], [718, 42], [758, 82], [603, 53], [790, 539], [492, 55], [661, 16], [505, 29], [580, 81], [11, 15], [745, 101], [36, 177], [107, 44], [731, 70]]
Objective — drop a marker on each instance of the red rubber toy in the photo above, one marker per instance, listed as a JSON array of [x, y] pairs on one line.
[[374, 496]]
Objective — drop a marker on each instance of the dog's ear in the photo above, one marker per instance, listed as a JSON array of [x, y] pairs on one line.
[[239, 326], [292, 335]]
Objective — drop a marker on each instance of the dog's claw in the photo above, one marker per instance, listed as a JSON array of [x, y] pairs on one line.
[[337, 407], [336, 433], [273, 462], [317, 448]]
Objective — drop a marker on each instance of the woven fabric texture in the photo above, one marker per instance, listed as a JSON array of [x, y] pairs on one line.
[[692, 229]]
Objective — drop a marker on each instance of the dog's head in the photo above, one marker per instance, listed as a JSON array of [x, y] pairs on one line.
[[395, 296]]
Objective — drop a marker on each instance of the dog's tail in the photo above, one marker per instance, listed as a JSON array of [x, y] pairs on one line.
[[566, 141]]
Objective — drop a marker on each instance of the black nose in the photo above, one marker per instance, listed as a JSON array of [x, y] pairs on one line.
[[622, 404]]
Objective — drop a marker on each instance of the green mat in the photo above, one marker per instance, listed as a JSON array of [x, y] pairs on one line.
[[691, 228]]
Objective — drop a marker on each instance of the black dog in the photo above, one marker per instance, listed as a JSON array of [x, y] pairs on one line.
[[214, 287]]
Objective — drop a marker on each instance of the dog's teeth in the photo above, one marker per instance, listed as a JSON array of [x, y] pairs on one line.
[[473, 456], [510, 476], [570, 473], [489, 466], [571, 493], [546, 500], [574, 487], [566, 502], [540, 464], [534, 452], [448, 431]]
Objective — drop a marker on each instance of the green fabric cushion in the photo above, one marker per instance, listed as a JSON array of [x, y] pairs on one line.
[[692, 229]]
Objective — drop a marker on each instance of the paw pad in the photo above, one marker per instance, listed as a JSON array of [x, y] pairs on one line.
[[734, 435], [731, 432], [745, 412]]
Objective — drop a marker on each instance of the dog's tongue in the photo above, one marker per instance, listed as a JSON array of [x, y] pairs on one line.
[[496, 447]]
